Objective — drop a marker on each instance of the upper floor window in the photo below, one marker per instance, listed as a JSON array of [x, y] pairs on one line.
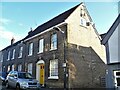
[[53, 41], [83, 21], [8, 58], [41, 45], [30, 52], [20, 52], [1, 58], [53, 69], [13, 54]]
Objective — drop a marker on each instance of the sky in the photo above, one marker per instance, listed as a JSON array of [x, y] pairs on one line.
[[16, 18]]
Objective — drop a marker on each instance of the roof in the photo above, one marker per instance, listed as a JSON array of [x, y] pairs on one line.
[[56, 20], [111, 30], [14, 44]]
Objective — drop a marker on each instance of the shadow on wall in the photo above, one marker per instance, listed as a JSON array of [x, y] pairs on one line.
[[86, 69]]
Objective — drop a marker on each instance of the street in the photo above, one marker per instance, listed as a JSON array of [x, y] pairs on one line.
[[2, 87]]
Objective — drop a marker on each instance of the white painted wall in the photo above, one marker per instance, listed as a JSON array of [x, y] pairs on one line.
[[113, 46]]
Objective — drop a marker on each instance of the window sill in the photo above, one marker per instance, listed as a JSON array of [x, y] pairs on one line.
[[39, 52], [29, 55], [83, 26], [12, 59], [19, 57], [53, 77], [53, 49]]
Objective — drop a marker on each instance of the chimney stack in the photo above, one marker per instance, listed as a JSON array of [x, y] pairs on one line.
[[30, 31], [12, 40]]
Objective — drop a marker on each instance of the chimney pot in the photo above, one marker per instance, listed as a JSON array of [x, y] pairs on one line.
[[12, 40]]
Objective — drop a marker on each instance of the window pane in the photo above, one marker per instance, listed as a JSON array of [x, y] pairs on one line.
[[8, 55], [54, 67], [30, 49], [54, 41], [83, 21], [41, 45], [13, 66], [20, 52], [30, 68], [13, 56], [19, 67]]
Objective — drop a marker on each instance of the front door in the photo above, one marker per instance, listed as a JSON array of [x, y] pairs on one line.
[[42, 74]]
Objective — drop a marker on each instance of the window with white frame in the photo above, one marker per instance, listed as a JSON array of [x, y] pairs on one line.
[[8, 69], [1, 58], [13, 54], [13, 67], [83, 21], [8, 58], [53, 69], [30, 68], [53, 41], [41, 45], [19, 67], [20, 52], [30, 52]]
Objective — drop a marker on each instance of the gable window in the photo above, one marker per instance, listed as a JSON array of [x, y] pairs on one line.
[[30, 52], [30, 68], [20, 52], [19, 67], [8, 58], [13, 54], [53, 41], [41, 45], [83, 22], [53, 69]]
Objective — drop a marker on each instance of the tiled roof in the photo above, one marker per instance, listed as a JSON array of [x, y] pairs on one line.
[[56, 20]]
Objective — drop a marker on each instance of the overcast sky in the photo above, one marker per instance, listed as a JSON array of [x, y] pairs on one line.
[[16, 18]]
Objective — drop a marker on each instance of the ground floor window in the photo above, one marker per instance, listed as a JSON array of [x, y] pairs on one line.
[[30, 68], [13, 67], [8, 69], [53, 69], [20, 67]]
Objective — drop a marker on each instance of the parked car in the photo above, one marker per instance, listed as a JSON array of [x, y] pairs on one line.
[[3, 76], [21, 80]]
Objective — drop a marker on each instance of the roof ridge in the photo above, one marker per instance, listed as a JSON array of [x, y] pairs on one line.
[[52, 22], [61, 13]]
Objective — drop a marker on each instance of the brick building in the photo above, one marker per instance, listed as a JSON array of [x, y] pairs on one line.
[[64, 52]]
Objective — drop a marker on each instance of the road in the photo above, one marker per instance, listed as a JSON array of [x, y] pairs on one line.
[[2, 87]]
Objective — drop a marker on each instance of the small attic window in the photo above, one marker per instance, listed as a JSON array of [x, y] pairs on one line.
[[83, 22]]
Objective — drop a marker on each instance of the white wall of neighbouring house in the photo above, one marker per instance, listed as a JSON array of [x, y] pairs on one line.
[[113, 46]]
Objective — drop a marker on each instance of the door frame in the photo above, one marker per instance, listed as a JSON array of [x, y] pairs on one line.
[[38, 70]]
